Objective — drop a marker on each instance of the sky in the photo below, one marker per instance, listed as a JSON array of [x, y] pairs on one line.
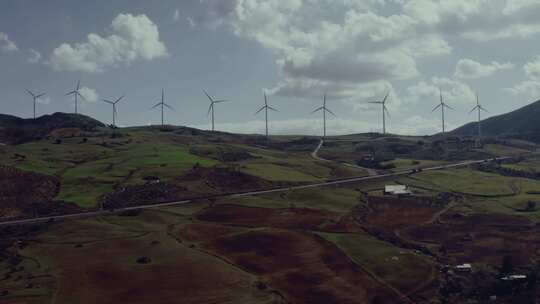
[[295, 51]]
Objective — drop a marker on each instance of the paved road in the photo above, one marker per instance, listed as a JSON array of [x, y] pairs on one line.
[[251, 193]]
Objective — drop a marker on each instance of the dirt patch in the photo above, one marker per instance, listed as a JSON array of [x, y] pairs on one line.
[[151, 193], [386, 215], [482, 238], [302, 266], [225, 179], [24, 193], [289, 218]]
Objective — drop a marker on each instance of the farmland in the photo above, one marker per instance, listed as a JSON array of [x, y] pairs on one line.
[[346, 243]]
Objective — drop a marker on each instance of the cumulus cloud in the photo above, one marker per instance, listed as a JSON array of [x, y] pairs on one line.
[[132, 38], [453, 91], [34, 57], [89, 94], [530, 88], [6, 45], [44, 100], [532, 69], [468, 68]]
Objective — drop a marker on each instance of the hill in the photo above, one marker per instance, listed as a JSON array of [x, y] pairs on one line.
[[15, 130], [521, 123]]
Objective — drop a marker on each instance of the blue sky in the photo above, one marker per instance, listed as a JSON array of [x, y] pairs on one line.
[[295, 50]]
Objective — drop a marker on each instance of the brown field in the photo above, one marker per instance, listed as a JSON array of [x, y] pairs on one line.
[[482, 238], [303, 266], [388, 215], [289, 218]]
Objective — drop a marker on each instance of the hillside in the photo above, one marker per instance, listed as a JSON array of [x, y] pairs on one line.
[[521, 123], [15, 130]]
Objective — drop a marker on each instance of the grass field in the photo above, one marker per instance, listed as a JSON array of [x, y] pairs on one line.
[[91, 169], [487, 192], [94, 261], [404, 270]]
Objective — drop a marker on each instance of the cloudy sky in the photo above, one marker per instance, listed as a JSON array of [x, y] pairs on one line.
[[294, 50]]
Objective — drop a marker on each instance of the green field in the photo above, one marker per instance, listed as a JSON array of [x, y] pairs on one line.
[[396, 266], [486, 192]]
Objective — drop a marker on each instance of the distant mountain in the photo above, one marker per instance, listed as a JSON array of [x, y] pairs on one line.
[[523, 123], [15, 130]]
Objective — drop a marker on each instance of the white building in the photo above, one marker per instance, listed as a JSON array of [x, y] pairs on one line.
[[464, 267], [396, 190]]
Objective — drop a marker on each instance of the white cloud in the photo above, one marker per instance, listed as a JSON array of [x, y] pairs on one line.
[[133, 38], [176, 15], [468, 68], [44, 100], [89, 94], [454, 92], [532, 69], [191, 22], [34, 57], [528, 89], [6, 45]]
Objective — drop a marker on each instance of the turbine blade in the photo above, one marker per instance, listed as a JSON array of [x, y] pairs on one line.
[[377, 102], [78, 85], [385, 97], [222, 100], [386, 110], [210, 109], [448, 107], [436, 107], [71, 93], [483, 109], [472, 110], [258, 111], [271, 108], [119, 99], [329, 111], [30, 92], [42, 94], [156, 105], [108, 101], [207, 95], [317, 109], [168, 106], [265, 99]]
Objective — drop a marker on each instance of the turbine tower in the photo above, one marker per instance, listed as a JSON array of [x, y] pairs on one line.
[[162, 104], [384, 110], [479, 108], [35, 98], [266, 107], [324, 109], [442, 105], [211, 107], [77, 94], [113, 103]]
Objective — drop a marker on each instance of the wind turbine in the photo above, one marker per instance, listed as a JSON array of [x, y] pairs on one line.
[[324, 109], [77, 94], [442, 105], [162, 104], [384, 110], [35, 98], [480, 108], [113, 103], [265, 108], [211, 107]]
